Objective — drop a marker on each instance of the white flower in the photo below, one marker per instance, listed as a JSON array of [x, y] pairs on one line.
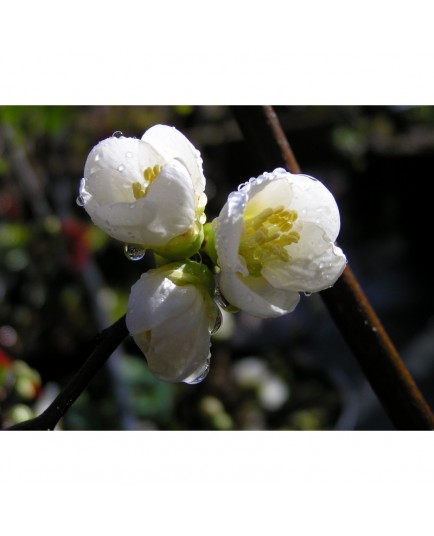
[[275, 238], [171, 315], [148, 191]]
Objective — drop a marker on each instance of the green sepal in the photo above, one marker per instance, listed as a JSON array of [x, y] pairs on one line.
[[208, 244], [183, 246]]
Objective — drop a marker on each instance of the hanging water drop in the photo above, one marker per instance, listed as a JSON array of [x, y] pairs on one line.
[[218, 322], [223, 302], [80, 201], [199, 375], [307, 294], [117, 134], [134, 252]]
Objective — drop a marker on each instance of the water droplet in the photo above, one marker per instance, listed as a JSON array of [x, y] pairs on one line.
[[117, 134], [134, 252], [80, 201], [199, 375], [223, 302], [218, 322], [129, 155], [97, 157], [202, 218], [307, 294], [121, 167]]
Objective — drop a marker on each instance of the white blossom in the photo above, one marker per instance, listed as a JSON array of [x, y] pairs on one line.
[[148, 191], [274, 238], [171, 315]]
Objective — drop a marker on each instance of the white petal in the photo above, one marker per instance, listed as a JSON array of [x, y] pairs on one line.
[[315, 263], [116, 154], [106, 186], [170, 143], [153, 300], [255, 296], [170, 325], [148, 156], [179, 348], [164, 213], [314, 203], [271, 191], [228, 228], [172, 192]]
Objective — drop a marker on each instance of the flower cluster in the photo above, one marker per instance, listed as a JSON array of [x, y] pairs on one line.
[[274, 238]]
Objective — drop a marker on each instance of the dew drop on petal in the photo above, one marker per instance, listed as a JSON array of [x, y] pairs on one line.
[[307, 294], [121, 167], [117, 134], [129, 155], [134, 252], [218, 322], [80, 201], [200, 374]]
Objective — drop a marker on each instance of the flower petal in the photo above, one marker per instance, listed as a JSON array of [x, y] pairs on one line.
[[269, 190], [314, 203], [177, 349], [116, 154], [172, 192], [166, 211], [315, 263], [149, 302], [106, 186], [255, 296], [228, 228], [170, 143]]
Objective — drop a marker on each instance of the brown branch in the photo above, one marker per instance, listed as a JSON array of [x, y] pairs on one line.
[[107, 343], [346, 302]]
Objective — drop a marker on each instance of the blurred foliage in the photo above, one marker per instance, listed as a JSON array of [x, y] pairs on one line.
[[62, 280]]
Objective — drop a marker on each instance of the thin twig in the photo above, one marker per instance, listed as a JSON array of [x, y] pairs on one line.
[[346, 302], [107, 343]]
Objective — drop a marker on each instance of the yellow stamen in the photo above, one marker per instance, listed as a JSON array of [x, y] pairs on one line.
[[149, 174], [138, 190], [266, 236]]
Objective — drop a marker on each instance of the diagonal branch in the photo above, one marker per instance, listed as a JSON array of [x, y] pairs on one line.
[[346, 302], [107, 343]]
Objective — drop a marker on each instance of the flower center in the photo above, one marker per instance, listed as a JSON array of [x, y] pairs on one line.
[[140, 189], [266, 236]]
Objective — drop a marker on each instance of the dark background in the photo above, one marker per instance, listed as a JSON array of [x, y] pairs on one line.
[[62, 280]]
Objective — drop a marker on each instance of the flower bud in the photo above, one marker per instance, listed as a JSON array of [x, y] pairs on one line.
[[170, 315]]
